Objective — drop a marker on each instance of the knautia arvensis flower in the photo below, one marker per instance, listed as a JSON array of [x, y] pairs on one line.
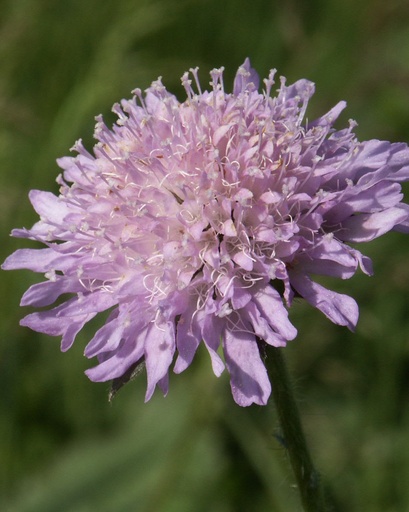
[[199, 221]]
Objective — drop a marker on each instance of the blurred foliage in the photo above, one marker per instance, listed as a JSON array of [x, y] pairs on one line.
[[62, 446]]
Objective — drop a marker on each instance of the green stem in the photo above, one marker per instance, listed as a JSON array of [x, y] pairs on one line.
[[308, 478]]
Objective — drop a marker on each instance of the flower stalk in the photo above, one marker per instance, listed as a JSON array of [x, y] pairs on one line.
[[308, 478]]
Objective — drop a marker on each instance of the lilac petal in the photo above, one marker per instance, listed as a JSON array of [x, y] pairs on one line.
[[245, 76], [248, 376], [329, 257], [68, 319], [377, 198], [365, 263], [186, 343], [48, 323], [265, 234], [326, 268], [339, 308], [37, 260], [61, 257], [116, 363], [72, 330], [329, 117], [212, 331], [94, 302], [163, 384], [50, 207], [47, 292], [261, 326], [286, 249], [377, 159], [74, 168], [39, 232], [381, 175], [370, 155], [243, 261], [220, 132], [159, 350], [271, 306], [331, 249], [367, 226], [398, 162], [108, 337], [240, 298], [403, 227], [199, 325], [301, 89]]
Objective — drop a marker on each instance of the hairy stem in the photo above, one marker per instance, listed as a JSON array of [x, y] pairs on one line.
[[307, 477]]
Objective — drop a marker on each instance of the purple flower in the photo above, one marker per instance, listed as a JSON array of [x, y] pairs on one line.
[[199, 221]]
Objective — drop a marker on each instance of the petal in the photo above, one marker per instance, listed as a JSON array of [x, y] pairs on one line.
[[212, 328], [200, 324], [271, 306], [325, 268], [398, 162], [47, 292], [368, 157], [381, 196], [48, 323], [220, 132], [163, 384], [68, 319], [93, 302], [367, 226], [403, 227], [72, 330], [50, 207], [375, 159], [299, 90], [186, 343], [329, 257], [261, 326], [38, 260], [245, 75], [159, 350], [243, 260], [75, 167], [339, 308], [248, 376], [108, 337], [330, 117], [240, 298], [365, 263], [62, 257], [120, 361]]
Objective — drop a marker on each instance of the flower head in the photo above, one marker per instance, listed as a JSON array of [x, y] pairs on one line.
[[198, 222]]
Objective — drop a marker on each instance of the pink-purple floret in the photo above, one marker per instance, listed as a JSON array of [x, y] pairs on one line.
[[190, 217]]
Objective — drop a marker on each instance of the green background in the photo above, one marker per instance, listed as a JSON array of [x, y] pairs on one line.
[[63, 448]]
